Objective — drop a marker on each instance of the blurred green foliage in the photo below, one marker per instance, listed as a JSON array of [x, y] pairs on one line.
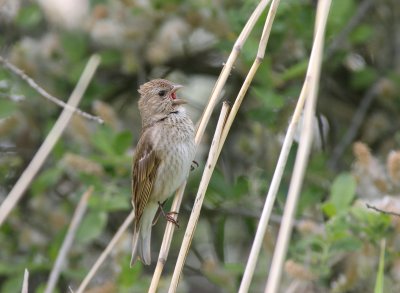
[[336, 240]]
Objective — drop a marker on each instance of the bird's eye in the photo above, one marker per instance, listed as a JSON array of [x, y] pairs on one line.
[[162, 93]]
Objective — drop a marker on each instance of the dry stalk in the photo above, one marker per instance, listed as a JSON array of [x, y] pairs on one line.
[[68, 240], [313, 74], [200, 131], [215, 95], [237, 48], [32, 83], [250, 75], [29, 173], [197, 206], [195, 214], [271, 195], [128, 221], [25, 282], [273, 189]]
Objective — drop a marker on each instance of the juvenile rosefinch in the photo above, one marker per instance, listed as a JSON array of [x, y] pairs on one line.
[[163, 158]]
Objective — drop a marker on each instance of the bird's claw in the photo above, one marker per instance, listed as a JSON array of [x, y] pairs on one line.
[[170, 217], [192, 167]]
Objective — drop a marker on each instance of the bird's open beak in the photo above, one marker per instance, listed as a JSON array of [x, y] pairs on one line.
[[175, 100], [176, 87]]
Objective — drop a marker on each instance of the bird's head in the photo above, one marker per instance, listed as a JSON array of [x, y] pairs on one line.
[[158, 98]]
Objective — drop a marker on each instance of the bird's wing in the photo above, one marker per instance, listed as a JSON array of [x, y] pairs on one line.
[[144, 171]]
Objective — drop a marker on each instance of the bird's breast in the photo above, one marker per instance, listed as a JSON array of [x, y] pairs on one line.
[[175, 146]]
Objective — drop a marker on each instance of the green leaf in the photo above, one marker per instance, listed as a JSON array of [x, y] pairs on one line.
[[110, 57], [220, 238], [6, 269], [234, 268], [343, 191], [122, 142], [76, 273], [74, 45], [347, 243], [55, 245], [363, 78], [113, 199], [102, 139], [129, 275], [337, 228], [46, 180], [380, 274], [341, 11], [13, 284], [372, 224], [329, 209], [361, 34], [241, 187], [29, 16], [271, 101], [295, 71], [92, 226], [7, 108]]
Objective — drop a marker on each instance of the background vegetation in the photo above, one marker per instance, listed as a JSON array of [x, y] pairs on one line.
[[336, 243]]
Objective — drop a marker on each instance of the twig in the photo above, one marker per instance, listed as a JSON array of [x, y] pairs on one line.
[[355, 124], [25, 282], [228, 66], [260, 55], [166, 243], [194, 216], [23, 182], [106, 252], [272, 192], [225, 131], [215, 95], [337, 42], [313, 73], [14, 69], [250, 75], [382, 211], [68, 240]]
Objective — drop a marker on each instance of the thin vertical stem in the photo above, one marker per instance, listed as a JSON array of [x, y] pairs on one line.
[[68, 240], [128, 221], [313, 73], [25, 283], [23, 182], [215, 96], [194, 216]]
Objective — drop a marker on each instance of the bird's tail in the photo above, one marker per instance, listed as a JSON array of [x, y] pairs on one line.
[[141, 243]]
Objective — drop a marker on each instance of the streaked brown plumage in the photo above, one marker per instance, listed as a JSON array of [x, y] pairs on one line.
[[163, 157]]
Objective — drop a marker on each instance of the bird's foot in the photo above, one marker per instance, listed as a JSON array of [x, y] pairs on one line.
[[194, 165], [170, 216]]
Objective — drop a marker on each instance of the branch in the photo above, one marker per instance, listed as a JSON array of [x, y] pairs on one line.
[[355, 124], [303, 152], [382, 211], [106, 252], [69, 238], [205, 180], [215, 96], [14, 69], [337, 43], [25, 282], [29, 173]]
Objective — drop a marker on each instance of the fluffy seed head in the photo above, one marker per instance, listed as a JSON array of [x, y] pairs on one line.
[[158, 98]]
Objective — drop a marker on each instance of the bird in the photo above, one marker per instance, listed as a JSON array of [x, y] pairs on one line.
[[162, 160]]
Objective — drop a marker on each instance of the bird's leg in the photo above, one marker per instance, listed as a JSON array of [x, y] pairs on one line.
[[168, 216], [194, 165], [158, 213]]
